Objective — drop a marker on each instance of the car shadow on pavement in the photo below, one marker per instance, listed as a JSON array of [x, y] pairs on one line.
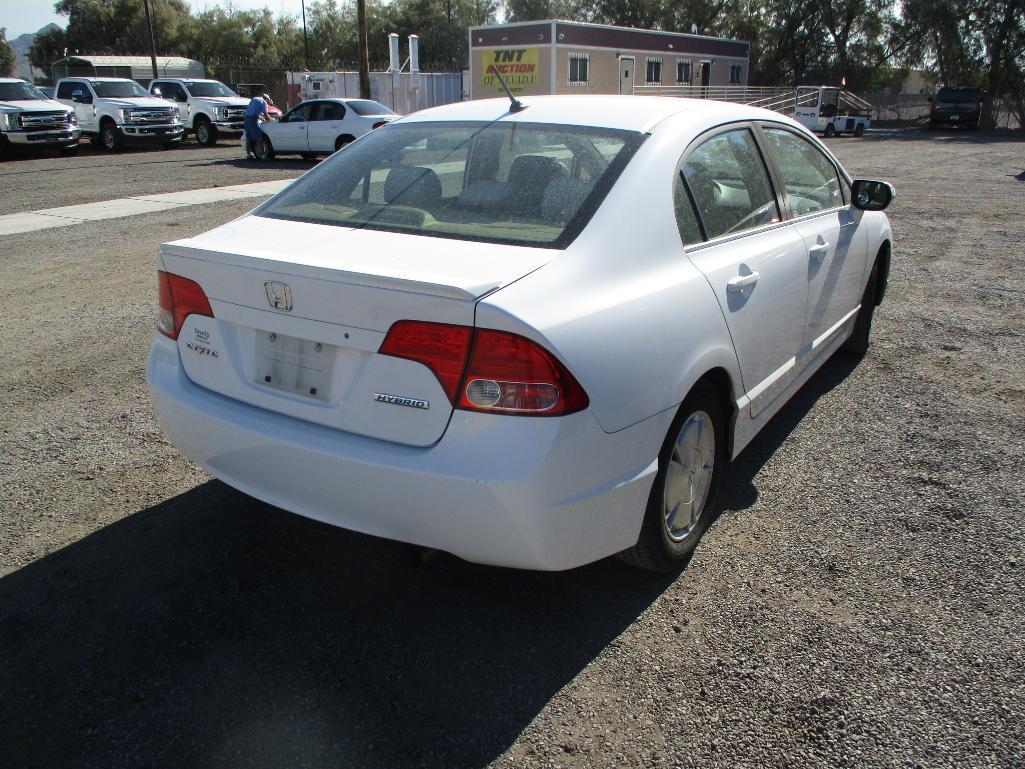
[[272, 165], [214, 630], [738, 490]]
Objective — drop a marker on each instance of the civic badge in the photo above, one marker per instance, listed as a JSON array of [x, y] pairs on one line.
[[279, 295]]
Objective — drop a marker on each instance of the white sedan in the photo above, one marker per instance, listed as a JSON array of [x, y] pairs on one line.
[[321, 126], [528, 337]]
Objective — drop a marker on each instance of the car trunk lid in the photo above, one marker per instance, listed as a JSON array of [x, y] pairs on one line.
[[301, 309]]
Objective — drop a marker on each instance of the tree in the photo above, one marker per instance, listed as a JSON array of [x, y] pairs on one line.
[[7, 57]]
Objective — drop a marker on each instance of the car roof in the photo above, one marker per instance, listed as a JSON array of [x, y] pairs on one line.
[[13, 80], [631, 113], [100, 79]]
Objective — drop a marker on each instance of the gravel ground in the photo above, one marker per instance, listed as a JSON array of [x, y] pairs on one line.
[[857, 603], [38, 180]]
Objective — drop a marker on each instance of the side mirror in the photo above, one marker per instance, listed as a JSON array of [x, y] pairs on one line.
[[872, 195], [79, 97], [156, 92], [181, 97]]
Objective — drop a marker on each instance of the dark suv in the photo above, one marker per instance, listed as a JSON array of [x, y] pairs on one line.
[[955, 106]]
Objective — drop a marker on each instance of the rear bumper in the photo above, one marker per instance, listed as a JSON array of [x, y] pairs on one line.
[[536, 493], [954, 118]]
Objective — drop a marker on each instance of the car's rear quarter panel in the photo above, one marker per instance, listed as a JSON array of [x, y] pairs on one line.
[[623, 307]]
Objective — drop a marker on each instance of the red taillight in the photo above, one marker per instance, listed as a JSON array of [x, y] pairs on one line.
[[505, 373], [510, 374], [179, 298], [378, 124], [439, 346]]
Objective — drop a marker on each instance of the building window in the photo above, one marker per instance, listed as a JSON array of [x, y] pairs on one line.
[[736, 71], [578, 67], [653, 76], [683, 72]]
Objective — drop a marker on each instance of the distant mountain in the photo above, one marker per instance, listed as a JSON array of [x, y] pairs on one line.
[[21, 44]]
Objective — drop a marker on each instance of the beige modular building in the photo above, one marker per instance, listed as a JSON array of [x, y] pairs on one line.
[[565, 57]]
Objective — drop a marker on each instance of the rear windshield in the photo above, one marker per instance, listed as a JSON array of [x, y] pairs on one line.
[[367, 107], [117, 90], [518, 183], [957, 94]]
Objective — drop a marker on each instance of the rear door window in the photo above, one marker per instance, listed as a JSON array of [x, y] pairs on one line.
[[728, 182]]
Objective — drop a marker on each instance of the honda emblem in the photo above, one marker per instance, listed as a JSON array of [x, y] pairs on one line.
[[279, 295]]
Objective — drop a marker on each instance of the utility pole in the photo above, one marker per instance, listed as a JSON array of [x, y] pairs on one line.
[[364, 49], [152, 40], [306, 40]]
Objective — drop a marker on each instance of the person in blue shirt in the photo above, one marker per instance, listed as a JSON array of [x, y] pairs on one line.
[[256, 113]]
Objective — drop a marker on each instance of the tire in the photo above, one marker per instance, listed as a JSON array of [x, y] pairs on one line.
[[830, 131], [857, 343], [665, 544], [206, 132], [264, 150], [341, 141], [859, 129], [110, 138]]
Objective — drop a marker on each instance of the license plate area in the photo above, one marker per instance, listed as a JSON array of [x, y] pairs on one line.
[[293, 365]]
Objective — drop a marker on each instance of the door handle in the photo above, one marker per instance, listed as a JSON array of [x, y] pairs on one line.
[[819, 251], [738, 283]]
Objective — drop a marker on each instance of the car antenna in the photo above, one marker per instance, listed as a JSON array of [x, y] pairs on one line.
[[516, 105]]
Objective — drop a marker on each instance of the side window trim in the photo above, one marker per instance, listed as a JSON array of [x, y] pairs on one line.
[[774, 183], [841, 174]]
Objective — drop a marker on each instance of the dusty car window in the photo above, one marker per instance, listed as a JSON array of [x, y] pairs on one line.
[[809, 176], [728, 181], [523, 183]]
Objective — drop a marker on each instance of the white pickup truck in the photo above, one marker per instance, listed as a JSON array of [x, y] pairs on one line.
[[29, 120], [209, 109], [115, 111]]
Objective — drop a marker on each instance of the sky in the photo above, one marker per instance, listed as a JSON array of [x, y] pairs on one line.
[[21, 16]]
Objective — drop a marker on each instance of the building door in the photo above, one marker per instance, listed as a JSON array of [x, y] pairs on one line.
[[626, 74], [706, 73]]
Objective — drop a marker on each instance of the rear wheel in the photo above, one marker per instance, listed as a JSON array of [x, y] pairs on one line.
[[110, 137], [830, 130], [206, 133], [683, 497], [264, 149], [341, 141], [857, 342], [859, 129]]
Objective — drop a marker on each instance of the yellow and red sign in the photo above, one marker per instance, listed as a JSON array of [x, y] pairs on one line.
[[519, 68]]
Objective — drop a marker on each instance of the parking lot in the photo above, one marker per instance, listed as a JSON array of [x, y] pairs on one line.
[[858, 601]]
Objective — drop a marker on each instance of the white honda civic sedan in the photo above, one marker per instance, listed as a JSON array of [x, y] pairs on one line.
[[529, 337], [321, 126]]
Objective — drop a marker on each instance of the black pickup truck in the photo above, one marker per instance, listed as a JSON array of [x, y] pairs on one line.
[[954, 107]]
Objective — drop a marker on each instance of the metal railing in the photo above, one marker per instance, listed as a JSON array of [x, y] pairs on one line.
[[742, 94], [767, 97]]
